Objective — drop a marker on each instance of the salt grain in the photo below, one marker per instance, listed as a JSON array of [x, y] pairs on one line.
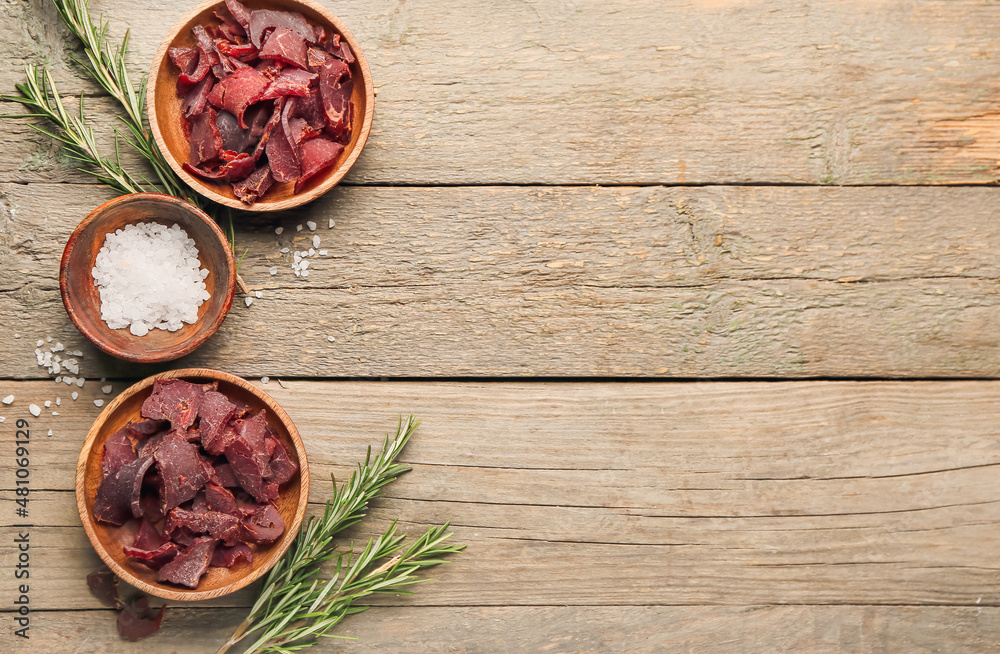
[[284, 250], [259, 294], [50, 432], [47, 403], [322, 253], [298, 228], [79, 381], [149, 277], [74, 395], [106, 389], [273, 270], [55, 413], [264, 380], [248, 300], [58, 401], [8, 399], [98, 403], [278, 230], [331, 339], [35, 410], [2, 418], [17, 336], [311, 225], [315, 241], [40, 343], [331, 224]]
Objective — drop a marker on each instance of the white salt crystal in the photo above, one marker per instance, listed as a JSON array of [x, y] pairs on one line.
[[315, 241], [76, 353], [304, 265], [48, 339], [2, 418], [106, 389], [47, 403], [98, 403], [58, 347], [305, 273], [17, 336], [278, 230], [40, 343], [50, 432], [74, 395], [58, 401], [331, 339], [331, 224], [35, 410], [55, 413], [273, 270], [284, 250], [311, 252], [311, 225], [58, 380], [248, 300], [104, 379], [8, 399], [322, 253], [264, 380], [79, 381], [259, 294], [149, 277], [298, 228]]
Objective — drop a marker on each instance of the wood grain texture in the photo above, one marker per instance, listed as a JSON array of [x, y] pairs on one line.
[[583, 630], [692, 282], [634, 494], [540, 92]]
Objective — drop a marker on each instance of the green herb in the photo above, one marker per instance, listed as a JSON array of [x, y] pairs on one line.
[[294, 607]]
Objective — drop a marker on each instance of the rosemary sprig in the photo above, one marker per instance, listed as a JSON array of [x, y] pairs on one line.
[[294, 608]]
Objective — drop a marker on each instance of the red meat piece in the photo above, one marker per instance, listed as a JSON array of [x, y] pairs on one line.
[[230, 24], [137, 620], [224, 476], [280, 154], [220, 499], [215, 412], [255, 186], [154, 558], [206, 140], [239, 12], [285, 45], [145, 428], [243, 51], [310, 108], [335, 87], [117, 452], [118, 495], [188, 567], [315, 58], [186, 59], [147, 537], [238, 91], [175, 400], [226, 557], [283, 467], [299, 130], [207, 57], [240, 167], [103, 585], [291, 81], [248, 456], [218, 525], [149, 446], [182, 468], [265, 525], [262, 20], [342, 51], [316, 155]]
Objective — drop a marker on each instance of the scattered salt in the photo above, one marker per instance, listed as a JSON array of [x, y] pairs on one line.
[[8, 399], [311, 225], [40, 343], [311, 252], [2, 418], [331, 224], [35, 410], [278, 230], [259, 294], [248, 300], [17, 336], [106, 389], [50, 432], [315, 241], [331, 339], [48, 339], [79, 382], [98, 402], [47, 403], [298, 228], [149, 277], [74, 395], [322, 253], [58, 347], [273, 270], [58, 401], [305, 273], [284, 250], [264, 380], [58, 380], [55, 413]]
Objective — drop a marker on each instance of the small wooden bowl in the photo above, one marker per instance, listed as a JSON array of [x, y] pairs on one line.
[[108, 540], [83, 300], [164, 107]]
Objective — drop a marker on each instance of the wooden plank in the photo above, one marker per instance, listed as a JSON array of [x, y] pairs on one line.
[[665, 494], [591, 629], [692, 282], [668, 92]]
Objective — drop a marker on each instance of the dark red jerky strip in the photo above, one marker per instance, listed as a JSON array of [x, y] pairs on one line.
[[291, 81], [175, 400], [265, 526], [149, 446], [316, 155], [239, 12], [206, 140], [335, 88], [137, 620], [147, 537], [238, 91], [280, 154], [265, 138], [230, 24], [243, 51], [255, 186], [215, 411], [186, 59], [235, 170], [286, 46], [224, 476], [226, 557], [343, 52], [311, 109], [117, 497], [207, 57], [247, 455], [145, 428], [262, 20], [283, 468], [299, 130], [117, 452], [103, 585], [315, 58], [182, 468], [188, 567], [222, 526], [220, 499], [156, 557]]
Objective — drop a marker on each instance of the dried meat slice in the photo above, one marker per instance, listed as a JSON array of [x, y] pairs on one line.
[[175, 400], [215, 411], [147, 537], [265, 525], [316, 155], [221, 526], [283, 467], [154, 558], [238, 91], [291, 81], [335, 88], [103, 585], [186, 59], [188, 567], [262, 20], [286, 46], [232, 171], [224, 476], [117, 497], [280, 154], [226, 557], [220, 499], [182, 468], [206, 140], [247, 454], [239, 12], [299, 130], [245, 52], [207, 57], [343, 52], [137, 620], [255, 186], [117, 452], [145, 428]]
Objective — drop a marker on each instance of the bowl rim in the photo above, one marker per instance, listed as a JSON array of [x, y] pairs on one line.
[[291, 528], [153, 356], [296, 200]]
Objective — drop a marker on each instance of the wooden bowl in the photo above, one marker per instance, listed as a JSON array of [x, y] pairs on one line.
[[83, 300], [108, 540], [164, 107]]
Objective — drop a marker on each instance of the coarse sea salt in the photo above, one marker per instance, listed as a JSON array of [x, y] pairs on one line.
[[149, 278]]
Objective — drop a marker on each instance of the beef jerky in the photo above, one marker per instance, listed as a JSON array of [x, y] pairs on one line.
[[226, 557], [117, 452], [182, 468], [220, 499], [118, 495], [283, 467], [145, 428], [175, 400], [291, 81], [316, 155], [286, 46], [265, 525], [335, 88], [187, 567], [263, 20], [238, 91], [137, 620], [215, 410], [103, 585]]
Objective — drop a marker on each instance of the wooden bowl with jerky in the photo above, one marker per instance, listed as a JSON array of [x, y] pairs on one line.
[[192, 484], [263, 105]]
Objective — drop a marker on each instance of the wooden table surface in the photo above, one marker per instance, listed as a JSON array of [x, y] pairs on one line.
[[698, 303]]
